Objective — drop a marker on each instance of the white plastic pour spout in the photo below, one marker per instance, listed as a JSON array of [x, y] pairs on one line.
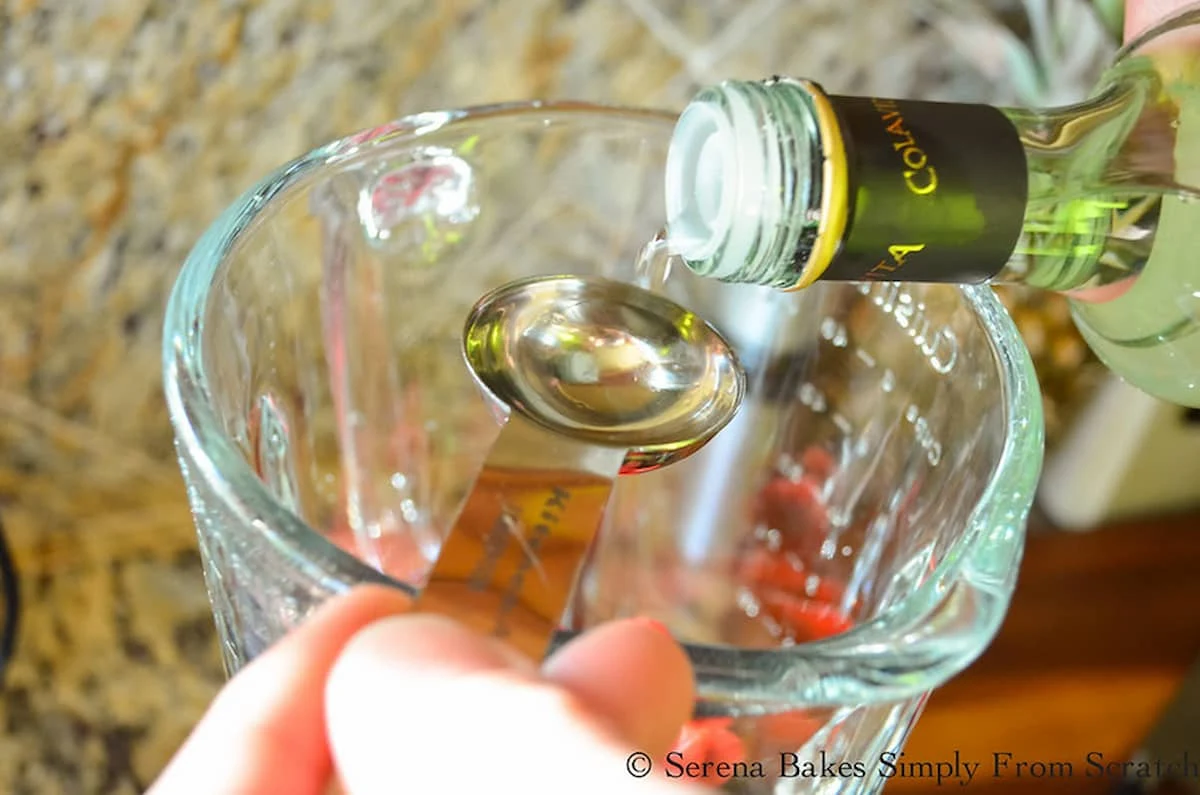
[[699, 204], [716, 175]]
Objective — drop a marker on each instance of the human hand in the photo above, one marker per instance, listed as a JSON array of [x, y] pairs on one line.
[[367, 698], [1141, 14]]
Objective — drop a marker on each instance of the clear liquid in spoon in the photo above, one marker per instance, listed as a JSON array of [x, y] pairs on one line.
[[600, 378]]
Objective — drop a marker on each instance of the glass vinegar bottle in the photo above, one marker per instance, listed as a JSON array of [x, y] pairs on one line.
[[779, 183]]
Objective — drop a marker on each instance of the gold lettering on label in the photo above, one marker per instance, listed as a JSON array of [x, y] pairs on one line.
[[897, 254], [920, 177]]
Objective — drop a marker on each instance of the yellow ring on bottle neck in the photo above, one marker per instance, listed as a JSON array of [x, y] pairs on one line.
[[835, 187]]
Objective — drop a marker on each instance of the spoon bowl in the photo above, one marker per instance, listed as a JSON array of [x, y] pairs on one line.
[[607, 363]]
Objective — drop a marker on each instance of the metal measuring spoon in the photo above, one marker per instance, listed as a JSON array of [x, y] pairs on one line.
[[600, 378]]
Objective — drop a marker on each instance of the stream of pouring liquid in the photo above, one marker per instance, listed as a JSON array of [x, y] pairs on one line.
[[509, 564]]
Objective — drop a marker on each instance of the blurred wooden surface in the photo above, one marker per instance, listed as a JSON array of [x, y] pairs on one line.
[[1102, 629]]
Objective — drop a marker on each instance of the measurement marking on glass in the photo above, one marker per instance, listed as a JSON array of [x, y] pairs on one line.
[[924, 435], [834, 332], [842, 423], [812, 397]]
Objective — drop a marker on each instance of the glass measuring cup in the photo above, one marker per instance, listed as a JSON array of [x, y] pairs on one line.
[[844, 546]]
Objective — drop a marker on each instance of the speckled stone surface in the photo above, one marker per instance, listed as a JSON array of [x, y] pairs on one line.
[[116, 655], [127, 126]]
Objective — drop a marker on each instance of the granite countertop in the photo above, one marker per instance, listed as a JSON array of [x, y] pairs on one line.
[[116, 656], [128, 126]]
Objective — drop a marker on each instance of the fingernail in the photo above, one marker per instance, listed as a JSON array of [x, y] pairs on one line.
[[657, 626]]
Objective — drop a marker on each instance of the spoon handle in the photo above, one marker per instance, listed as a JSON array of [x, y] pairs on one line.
[[509, 564]]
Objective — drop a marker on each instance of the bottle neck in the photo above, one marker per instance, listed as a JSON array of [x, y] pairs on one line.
[[1097, 171], [778, 183]]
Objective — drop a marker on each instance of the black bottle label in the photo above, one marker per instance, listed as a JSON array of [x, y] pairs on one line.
[[937, 191]]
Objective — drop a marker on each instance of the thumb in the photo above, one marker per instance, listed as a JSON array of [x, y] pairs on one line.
[[415, 702]]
